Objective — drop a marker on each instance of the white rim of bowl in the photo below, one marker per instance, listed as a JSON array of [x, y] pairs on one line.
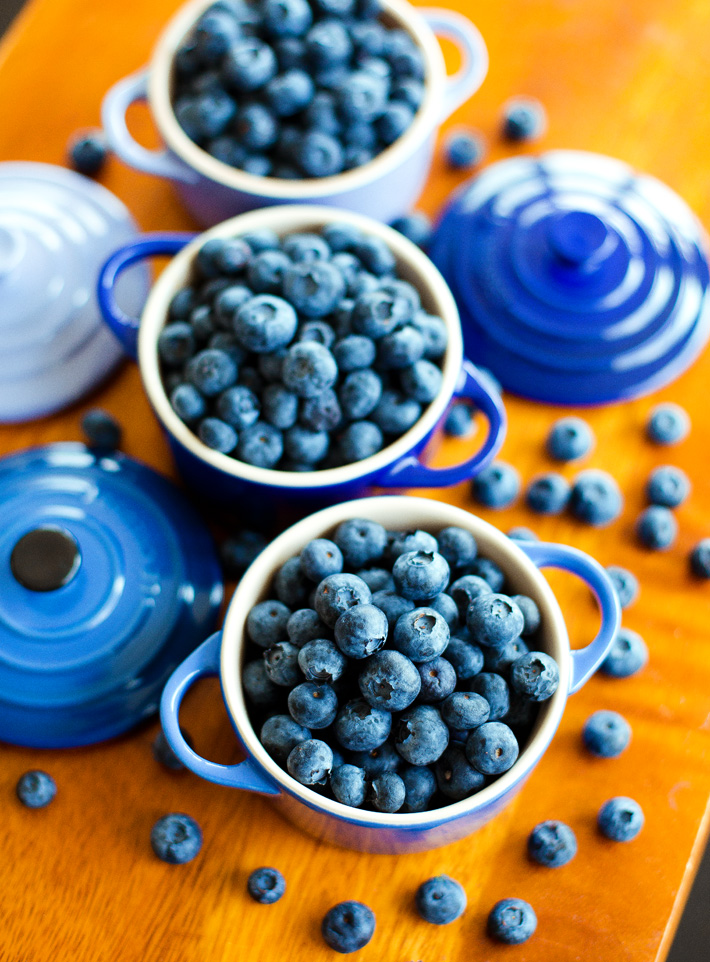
[[397, 512], [412, 265], [426, 119]]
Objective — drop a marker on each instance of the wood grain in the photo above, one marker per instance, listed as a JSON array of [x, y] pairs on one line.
[[79, 881]]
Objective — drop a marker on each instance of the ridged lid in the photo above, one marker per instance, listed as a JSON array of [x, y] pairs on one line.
[[108, 580], [578, 281]]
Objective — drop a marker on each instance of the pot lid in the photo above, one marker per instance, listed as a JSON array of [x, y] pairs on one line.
[[108, 580], [578, 280], [56, 230]]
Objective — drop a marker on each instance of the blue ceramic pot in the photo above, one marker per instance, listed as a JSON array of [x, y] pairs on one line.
[[385, 188], [224, 479], [222, 654]]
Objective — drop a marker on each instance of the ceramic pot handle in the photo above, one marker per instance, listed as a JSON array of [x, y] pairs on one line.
[[123, 325], [585, 661], [204, 663], [161, 163], [409, 472], [474, 56]]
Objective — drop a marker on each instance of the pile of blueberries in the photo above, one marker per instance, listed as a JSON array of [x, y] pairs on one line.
[[296, 88], [392, 671], [300, 353]]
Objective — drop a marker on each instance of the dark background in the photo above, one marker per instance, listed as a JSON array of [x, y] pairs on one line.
[[692, 942]]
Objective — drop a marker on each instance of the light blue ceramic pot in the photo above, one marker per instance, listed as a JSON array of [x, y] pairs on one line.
[[385, 188], [222, 655]]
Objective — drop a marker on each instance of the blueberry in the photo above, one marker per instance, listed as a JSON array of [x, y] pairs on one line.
[[347, 783], [303, 626], [489, 571], [416, 227], [310, 762], [419, 786], [625, 585], [458, 546], [387, 792], [320, 154], [182, 304], [521, 533], [620, 819], [289, 92], [668, 424], [279, 406], [494, 620], [392, 605], [362, 97], [260, 445], [627, 655], [320, 660], [512, 921], [322, 114], [266, 623], [208, 259], [440, 900], [287, 18], [356, 156], [379, 312], [438, 679], [552, 844], [497, 661], [217, 435], [389, 681], [266, 270], [176, 838], [378, 760], [319, 331], [280, 734], [401, 349], [290, 53], [455, 777], [535, 676], [421, 635], [464, 149], [313, 705], [466, 658], [435, 334], [409, 91], [202, 323], [320, 558], [494, 689], [359, 440], [401, 542], [337, 594], [394, 120], [446, 606], [359, 394], [361, 630], [248, 65], [258, 687], [88, 152], [368, 38], [595, 498], [531, 614], [497, 486], [255, 127], [667, 486], [492, 748], [524, 118], [176, 343], [548, 494], [360, 727], [259, 165], [35, 789], [322, 412], [266, 885], [207, 115], [420, 575], [348, 926], [396, 413], [163, 753], [213, 33], [309, 369], [420, 736], [569, 439], [656, 528], [376, 579], [226, 150], [231, 257], [606, 734], [375, 255], [239, 407], [341, 236], [361, 541], [466, 590], [265, 323], [464, 710], [281, 664], [101, 430], [700, 559], [228, 302], [262, 240], [211, 371]]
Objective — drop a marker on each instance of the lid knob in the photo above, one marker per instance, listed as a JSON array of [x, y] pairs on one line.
[[45, 559], [576, 236]]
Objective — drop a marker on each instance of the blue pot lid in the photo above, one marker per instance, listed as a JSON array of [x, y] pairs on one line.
[[578, 280], [108, 580], [56, 230]]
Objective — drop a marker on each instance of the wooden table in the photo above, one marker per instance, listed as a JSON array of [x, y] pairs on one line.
[[79, 881]]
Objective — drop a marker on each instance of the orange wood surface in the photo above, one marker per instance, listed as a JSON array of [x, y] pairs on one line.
[[79, 881]]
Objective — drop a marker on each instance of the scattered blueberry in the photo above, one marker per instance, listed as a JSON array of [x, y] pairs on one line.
[[606, 734], [667, 424], [620, 819], [416, 227], [176, 838], [569, 439], [700, 559], [88, 152], [512, 921], [552, 844], [348, 926], [548, 494], [625, 585], [36, 789], [497, 486], [266, 885], [656, 528], [163, 753], [101, 430], [595, 498], [524, 118], [440, 900], [520, 533], [460, 421], [667, 486], [627, 655], [464, 149]]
